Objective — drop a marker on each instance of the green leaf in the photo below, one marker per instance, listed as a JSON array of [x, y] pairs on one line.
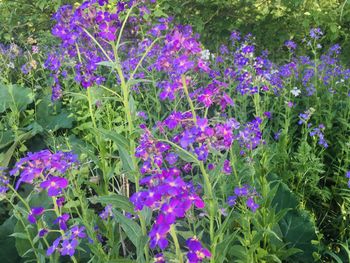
[[130, 227], [140, 249], [117, 201], [14, 96], [23, 245], [6, 138], [52, 117], [8, 250], [107, 64], [119, 139], [121, 260]]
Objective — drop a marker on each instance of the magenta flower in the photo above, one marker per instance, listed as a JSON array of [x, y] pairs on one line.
[[54, 185], [196, 251], [158, 235]]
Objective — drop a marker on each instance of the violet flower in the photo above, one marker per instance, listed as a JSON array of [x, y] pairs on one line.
[[54, 185]]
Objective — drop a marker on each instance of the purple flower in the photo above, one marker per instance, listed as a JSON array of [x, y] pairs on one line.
[[68, 247], [142, 115], [158, 235], [159, 258], [316, 33], [171, 158], [60, 201], [318, 132], [183, 64], [4, 181], [61, 221], [227, 169], [201, 152], [107, 212], [290, 45], [267, 114], [241, 191], [251, 204], [54, 185], [34, 212], [54, 246], [42, 232], [232, 200], [197, 253]]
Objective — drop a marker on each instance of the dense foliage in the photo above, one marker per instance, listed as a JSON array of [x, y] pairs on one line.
[[125, 138]]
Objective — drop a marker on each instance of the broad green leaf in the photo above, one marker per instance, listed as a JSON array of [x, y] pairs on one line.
[[6, 138], [130, 227], [23, 245], [52, 116], [117, 201], [14, 96], [119, 139], [140, 248], [8, 252]]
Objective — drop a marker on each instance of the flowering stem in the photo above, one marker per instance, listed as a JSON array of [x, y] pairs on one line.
[[125, 91], [183, 78], [208, 187], [57, 212], [19, 197], [211, 208], [176, 243]]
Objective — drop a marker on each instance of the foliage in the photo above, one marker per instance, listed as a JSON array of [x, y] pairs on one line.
[[127, 139]]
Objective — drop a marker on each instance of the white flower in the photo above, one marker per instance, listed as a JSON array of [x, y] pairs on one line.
[[295, 91], [205, 55]]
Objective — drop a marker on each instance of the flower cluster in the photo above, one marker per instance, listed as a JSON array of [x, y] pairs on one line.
[[41, 166], [251, 136], [46, 170], [244, 192], [171, 196], [67, 243], [305, 117], [87, 34], [318, 132]]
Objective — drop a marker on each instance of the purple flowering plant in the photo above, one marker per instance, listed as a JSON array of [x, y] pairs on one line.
[[185, 161]]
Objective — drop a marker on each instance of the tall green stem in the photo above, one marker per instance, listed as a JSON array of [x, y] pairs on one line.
[[211, 205], [125, 91], [176, 242]]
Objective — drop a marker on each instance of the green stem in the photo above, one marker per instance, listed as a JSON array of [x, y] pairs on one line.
[[184, 85], [176, 243], [30, 239], [125, 91], [57, 212], [207, 184], [99, 141]]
